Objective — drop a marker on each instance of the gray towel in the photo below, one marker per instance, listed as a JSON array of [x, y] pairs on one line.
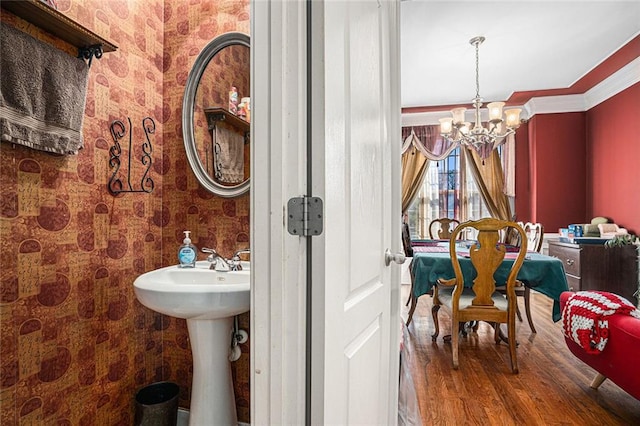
[[229, 155], [42, 94]]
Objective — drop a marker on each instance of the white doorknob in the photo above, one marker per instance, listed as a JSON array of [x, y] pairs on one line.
[[399, 257]]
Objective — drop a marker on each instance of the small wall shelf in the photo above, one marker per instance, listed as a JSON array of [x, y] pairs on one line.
[[215, 114], [89, 44]]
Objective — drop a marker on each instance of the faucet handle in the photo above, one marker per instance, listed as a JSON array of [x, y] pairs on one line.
[[242, 251], [212, 258], [235, 264]]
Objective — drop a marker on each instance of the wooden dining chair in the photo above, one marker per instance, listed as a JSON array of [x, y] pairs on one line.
[[408, 250], [406, 240], [479, 300], [514, 237], [444, 227], [535, 234]]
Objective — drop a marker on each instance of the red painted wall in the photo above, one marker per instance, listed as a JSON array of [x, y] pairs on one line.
[[523, 187], [557, 151], [613, 159]]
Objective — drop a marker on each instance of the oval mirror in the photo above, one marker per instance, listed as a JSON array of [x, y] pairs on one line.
[[216, 138]]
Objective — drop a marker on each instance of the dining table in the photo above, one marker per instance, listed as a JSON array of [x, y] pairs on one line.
[[432, 261]]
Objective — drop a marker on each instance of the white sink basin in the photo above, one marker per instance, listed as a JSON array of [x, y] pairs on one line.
[[208, 300], [194, 293]]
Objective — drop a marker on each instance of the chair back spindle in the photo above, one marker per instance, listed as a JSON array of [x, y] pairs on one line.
[[444, 227]]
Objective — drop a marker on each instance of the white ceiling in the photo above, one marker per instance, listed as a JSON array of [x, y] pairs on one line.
[[530, 45]]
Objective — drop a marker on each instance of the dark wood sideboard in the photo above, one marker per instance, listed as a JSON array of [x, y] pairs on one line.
[[596, 267]]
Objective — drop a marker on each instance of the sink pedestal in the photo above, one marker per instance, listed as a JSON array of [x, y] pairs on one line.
[[212, 398]]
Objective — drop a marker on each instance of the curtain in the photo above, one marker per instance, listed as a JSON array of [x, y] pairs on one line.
[[414, 167], [428, 141], [491, 183], [509, 165], [420, 144]]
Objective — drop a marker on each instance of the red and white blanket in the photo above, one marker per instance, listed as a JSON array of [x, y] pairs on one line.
[[584, 318]]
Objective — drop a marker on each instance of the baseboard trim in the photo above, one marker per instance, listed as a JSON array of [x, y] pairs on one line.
[[183, 418]]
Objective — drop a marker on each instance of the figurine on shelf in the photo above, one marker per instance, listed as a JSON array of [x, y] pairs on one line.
[[242, 109], [246, 107], [233, 100]]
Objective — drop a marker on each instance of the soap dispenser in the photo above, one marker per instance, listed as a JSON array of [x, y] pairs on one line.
[[187, 253]]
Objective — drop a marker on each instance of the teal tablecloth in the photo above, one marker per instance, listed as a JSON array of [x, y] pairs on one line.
[[544, 274]]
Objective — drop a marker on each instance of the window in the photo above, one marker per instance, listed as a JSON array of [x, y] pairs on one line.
[[448, 190]]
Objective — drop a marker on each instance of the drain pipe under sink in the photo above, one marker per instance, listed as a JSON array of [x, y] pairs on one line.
[[237, 336]]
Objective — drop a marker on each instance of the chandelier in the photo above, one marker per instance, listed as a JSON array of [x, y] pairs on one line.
[[483, 138]]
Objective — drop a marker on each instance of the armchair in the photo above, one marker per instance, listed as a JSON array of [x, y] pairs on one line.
[[619, 358]]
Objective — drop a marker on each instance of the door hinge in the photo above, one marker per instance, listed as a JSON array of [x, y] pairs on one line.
[[305, 216]]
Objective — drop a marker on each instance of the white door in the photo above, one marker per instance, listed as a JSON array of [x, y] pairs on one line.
[[352, 106], [356, 171]]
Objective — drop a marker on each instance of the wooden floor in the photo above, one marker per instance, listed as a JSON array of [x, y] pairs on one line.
[[552, 387]]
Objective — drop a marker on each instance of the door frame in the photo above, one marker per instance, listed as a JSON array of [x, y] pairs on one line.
[[279, 77], [278, 173]]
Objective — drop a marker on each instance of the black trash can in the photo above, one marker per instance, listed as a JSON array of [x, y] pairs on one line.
[[157, 405]]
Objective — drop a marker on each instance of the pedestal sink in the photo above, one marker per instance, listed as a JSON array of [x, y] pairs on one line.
[[208, 300]]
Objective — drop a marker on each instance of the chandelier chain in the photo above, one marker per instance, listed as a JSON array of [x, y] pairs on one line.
[[477, 70]]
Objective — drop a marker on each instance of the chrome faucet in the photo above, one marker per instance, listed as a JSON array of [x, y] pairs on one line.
[[235, 260], [217, 262]]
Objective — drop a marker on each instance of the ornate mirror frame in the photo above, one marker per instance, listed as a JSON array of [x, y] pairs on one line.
[[188, 107]]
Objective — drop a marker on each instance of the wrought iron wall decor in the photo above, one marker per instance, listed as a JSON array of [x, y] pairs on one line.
[[118, 132]]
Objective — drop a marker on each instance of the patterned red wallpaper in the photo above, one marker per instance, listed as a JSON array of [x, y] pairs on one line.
[[75, 344], [221, 223]]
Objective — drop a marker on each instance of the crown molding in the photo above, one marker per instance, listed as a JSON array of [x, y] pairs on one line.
[[423, 118], [626, 77], [555, 104], [621, 80]]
